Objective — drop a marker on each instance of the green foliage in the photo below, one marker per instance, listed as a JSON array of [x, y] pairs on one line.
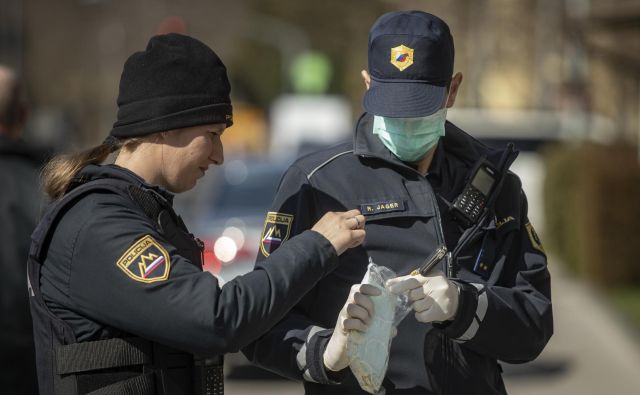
[[592, 208], [627, 300]]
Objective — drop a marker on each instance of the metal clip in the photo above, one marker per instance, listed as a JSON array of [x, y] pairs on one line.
[[433, 259]]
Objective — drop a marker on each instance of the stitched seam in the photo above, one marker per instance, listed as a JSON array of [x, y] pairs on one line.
[[73, 253]]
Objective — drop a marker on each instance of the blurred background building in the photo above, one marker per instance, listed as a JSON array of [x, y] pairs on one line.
[[561, 78]]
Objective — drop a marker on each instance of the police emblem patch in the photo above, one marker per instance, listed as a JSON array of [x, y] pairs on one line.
[[145, 261], [276, 231], [533, 237], [401, 57]]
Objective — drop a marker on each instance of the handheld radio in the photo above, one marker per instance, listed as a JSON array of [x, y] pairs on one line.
[[470, 204]]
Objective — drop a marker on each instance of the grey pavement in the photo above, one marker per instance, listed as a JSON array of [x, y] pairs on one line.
[[592, 352]]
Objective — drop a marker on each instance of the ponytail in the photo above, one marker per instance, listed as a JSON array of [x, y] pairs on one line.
[[60, 171]]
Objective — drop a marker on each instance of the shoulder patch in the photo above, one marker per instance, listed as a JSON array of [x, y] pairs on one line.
[[503, 221], [533, 237], [276, 230], [145, 261]]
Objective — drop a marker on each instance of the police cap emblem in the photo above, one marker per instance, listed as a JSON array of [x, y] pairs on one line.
[[401, 57]]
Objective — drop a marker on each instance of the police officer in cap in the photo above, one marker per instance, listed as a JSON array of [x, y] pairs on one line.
[[119, 300], [425, 186]]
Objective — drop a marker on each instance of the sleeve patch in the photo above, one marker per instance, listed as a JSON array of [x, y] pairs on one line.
[[146, 261], [277, 227], [533, 237]]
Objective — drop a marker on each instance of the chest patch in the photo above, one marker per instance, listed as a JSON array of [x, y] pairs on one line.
[[386, 206], [276, 230], [145, 261]]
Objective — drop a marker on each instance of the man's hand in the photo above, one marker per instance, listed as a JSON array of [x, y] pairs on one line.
[[435, 298], [354, 316], [343, 229]]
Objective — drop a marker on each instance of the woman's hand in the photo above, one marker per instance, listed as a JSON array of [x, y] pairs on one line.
[[343, 229]]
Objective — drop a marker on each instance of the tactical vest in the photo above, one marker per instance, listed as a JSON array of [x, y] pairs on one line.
[[118, 366]]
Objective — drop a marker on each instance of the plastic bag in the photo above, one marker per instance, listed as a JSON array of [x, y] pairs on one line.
[[369, 352]]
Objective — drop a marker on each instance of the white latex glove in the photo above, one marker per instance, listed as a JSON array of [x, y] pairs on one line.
[[435, 298], [354, 316]]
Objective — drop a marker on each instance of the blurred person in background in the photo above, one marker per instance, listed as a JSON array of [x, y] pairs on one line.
[[119, 300], [19, 208], [413, 175]]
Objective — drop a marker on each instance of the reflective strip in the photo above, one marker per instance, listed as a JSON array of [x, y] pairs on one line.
[[301, 357], [483, 302], [308, 377], [481, 311], [471, 331], [327, 162], [31, 293]]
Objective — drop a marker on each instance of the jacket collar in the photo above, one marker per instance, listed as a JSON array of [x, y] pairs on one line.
[[96, 172]]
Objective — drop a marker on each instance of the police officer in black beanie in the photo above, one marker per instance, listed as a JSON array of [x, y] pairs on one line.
[[119, 301]]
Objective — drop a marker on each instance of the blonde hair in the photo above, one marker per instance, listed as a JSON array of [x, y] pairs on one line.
[[60, 171]]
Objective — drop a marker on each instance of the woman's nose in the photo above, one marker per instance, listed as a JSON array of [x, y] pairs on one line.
[[217, 153]]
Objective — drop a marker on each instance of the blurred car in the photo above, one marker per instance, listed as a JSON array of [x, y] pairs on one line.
[[227, 210]]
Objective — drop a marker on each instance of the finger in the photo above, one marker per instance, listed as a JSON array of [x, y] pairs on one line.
[[358, 236], [360, 220], [416, 294], [359, 312], [350, 213], [365, 302], [403, 284], [368, 289], [351, 324], [423, 304], [394, 331]]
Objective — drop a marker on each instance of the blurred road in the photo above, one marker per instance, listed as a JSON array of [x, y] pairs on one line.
[[591, 353]]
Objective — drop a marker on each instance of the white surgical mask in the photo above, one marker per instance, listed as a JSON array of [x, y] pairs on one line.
[[410, 138]]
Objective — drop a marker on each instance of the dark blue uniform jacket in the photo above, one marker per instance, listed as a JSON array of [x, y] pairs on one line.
[[505, 306], [110, 271]]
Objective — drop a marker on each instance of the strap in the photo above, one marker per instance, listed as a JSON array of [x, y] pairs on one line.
[[140, 385], [147, 201], [102, 354], [508, 156]]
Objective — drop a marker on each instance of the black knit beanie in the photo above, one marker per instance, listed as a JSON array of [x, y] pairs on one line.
[[175, 83]]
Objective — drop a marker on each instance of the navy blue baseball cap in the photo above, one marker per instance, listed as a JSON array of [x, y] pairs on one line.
[[410, 63]]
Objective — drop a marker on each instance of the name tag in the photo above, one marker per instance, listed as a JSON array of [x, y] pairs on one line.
[[382, 207]]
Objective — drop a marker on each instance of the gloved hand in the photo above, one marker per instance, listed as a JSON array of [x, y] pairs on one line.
[[435, 298], [355, 315]]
